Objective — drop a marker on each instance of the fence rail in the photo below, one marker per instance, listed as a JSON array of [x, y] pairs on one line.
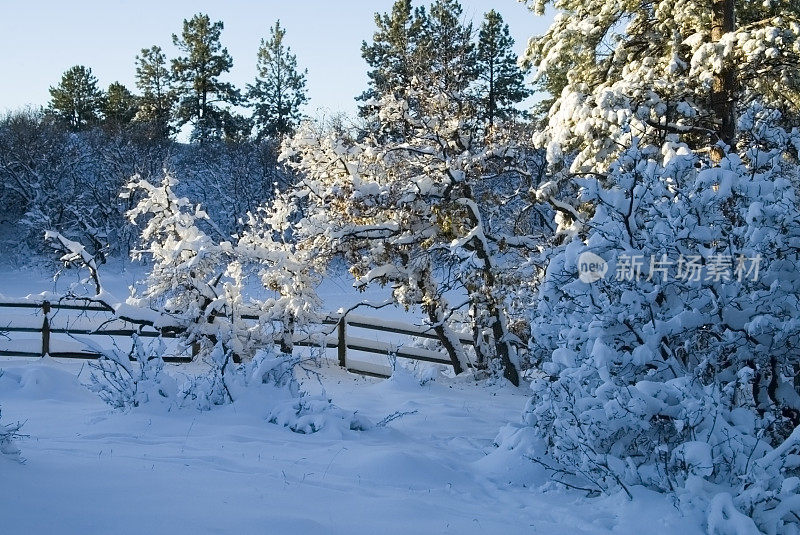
[[337, 338]]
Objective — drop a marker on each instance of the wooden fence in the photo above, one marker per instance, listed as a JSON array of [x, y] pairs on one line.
[[334, 332]]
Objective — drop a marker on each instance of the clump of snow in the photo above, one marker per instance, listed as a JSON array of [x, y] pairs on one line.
[[412, 375], [310, 414], [43, 379], [272, 377], [725, 519]]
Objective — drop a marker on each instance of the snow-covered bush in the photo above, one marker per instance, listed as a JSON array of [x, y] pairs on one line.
[[130, 379], [125, 380], [197, 288], [211, 388], [310, 414], [8, 434], [673, 154], [680, 363], [291, 406], [194, 277], [269, 381], [198, 276], [289, 273]]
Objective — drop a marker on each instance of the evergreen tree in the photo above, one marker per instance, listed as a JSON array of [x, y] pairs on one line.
[[393, 55], [502, 80], [196, 77], [76, 101], [119, 105], [280, 88], [235, 127], [446, 50], [677, 70], [153, 80], [421, 53]]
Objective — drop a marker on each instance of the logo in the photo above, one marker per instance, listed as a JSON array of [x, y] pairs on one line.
[[591, 267]]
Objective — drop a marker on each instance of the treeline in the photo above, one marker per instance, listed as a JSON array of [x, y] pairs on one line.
[[51, 178], [62, 166], [189, 91], [435, 47]]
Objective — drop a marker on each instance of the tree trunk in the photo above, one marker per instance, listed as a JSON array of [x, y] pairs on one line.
[[435, 307], [723, 92], [478, 337], [491, 95], [485, 295]]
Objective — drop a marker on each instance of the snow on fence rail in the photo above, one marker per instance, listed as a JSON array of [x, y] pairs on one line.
[[49, 323]]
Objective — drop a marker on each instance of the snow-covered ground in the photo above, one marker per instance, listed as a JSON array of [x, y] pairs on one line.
[[89, 469]]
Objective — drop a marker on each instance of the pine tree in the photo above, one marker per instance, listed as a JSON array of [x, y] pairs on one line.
[[393, 54], [235, 127], [196, 77], [420, 52], [76, 101], [279, 89], [683, 71], [502, 81], [446, 49], [119, 106], [153, 80]]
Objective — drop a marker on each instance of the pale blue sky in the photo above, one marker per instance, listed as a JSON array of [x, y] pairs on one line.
[[41, 39]]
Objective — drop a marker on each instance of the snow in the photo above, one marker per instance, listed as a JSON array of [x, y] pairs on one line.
[[90, 469]]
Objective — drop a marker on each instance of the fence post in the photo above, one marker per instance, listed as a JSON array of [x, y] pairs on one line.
[[287, 335], [342, 343], [46, 328]]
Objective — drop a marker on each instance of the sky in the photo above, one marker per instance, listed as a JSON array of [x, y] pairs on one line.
[[41, 39]]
